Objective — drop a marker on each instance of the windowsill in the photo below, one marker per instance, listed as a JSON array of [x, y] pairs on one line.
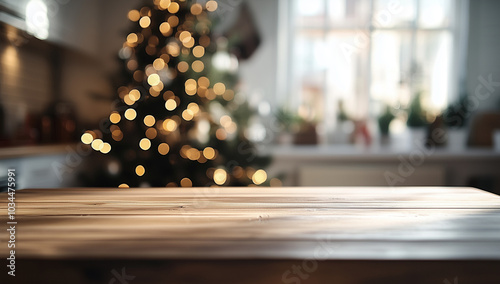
[[374, 152], [31, 151]]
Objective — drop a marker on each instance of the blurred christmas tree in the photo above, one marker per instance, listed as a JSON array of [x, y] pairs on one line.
[[179, 120]]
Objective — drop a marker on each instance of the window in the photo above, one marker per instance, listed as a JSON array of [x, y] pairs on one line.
[[367, 54]]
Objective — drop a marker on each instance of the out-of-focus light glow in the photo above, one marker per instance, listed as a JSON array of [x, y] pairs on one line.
[[154, 79], [259, 177], [140, 170], [276, 182], [135, 95], [123, 185], [87, 138], [151, 133], [204, 82], [173, 21], [159, 64], [149, 120], [211, 5], [221, 134], [196, 9], [209, 153], [132, 38], [183, 66], [186, 182], [219, 88], [170, 125], [198, 51], [134, 15], [144, 22], [163, 149], [130, 114], [173, 8], [97, 144], [106, 148], [170, 104], [115, 117], [220, 176], [37, 20], [165, 28], [164, 4], [198, 66], [145, 144], [187, 115]]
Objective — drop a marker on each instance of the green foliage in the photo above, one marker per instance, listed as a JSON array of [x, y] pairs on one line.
[[416, 114]]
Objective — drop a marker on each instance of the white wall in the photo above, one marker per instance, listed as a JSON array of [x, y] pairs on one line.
[[484, 48], [259, 73]]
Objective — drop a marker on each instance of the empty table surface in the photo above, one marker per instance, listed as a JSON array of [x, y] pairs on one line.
[[368, 223]]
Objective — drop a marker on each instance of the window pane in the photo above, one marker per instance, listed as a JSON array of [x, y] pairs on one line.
[[346, 75], [391, 67], [434, 13], [310, 12], [308, 74], [390, 13], [349, 13], [434, 60]]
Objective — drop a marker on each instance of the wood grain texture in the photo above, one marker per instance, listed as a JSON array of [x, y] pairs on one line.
[[433, 223]]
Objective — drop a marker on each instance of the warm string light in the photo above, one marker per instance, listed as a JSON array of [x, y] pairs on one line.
[[155, 76]]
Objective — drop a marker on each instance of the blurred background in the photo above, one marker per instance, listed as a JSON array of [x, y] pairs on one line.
[[339, 92]]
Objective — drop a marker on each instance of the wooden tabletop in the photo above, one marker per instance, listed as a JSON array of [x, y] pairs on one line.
[[432, 223]]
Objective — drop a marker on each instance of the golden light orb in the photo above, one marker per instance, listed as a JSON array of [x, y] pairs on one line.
[[188, 115], [209, 153], [159, 64], [164, 4], [212, 5], [196, 9], [106, 148], [165, 28], [154, 79], [144, 22], [151, 133], [219, 88], [220, 176], [123, 185], [134, 15], [130, 114], [145, 144], [163, 149], [170, 104], [204, 82], [97, 144], [194, 107], [259, 177], [183, 66], [198, 66], [198, 51], [173, 8], [132, 38], [140, 170], [87, 138], [170, 125], [134, 95], [186, 182], [149, 120]]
